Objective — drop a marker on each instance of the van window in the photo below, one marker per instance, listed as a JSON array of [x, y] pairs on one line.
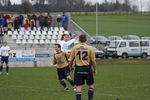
[[134, 44], [122, 44], [144, 43]]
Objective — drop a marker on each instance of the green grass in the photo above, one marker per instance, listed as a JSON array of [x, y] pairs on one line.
[[123, 81], [115, 24]]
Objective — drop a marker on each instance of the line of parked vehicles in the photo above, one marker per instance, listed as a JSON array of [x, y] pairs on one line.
[[128, 46]]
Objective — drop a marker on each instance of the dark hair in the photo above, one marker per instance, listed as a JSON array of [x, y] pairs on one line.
[[62, 37], [58, 45], [82, 38]]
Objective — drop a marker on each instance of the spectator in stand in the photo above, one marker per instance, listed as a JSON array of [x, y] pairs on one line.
[[29, 18], [26, 21], [32, 23], [64, 19], [41, 22], [12, 18], [6, 17], [49, 22], [2, 20], [16, 24], [21, 19], [58, 20], [2, 23], [35, 19], [9, 23]]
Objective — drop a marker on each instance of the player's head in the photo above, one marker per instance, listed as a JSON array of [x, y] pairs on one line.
[[57, 47], [65, 37], [5, 43], [82, 38]]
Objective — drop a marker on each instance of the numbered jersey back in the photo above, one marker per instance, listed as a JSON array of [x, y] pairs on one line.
[[83, 54]]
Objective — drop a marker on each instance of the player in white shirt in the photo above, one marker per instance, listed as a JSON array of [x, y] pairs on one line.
[[5, 53], [65, 43]]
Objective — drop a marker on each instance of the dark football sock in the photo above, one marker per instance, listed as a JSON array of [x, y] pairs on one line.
[[71, 82], [78, 95], [63, 84], [90, 93]]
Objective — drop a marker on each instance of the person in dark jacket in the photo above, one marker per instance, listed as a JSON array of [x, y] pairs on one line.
[[41, 19], [21, 18], [58, 20], [2, 23], [64, 19], [35, 19], [16, 24]]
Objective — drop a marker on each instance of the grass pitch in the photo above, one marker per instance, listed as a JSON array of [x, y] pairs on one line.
[[123, 81], [110, 25]]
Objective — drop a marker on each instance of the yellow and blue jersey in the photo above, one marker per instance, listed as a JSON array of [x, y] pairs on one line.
[[61, 59], [83, 54]]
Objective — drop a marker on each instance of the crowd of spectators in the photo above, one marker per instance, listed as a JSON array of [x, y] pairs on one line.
[[9, 22]]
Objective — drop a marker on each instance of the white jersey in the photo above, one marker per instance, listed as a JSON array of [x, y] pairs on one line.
[[65, 45], [4, 51]]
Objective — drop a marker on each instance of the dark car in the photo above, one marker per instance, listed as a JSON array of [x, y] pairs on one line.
[[98, 53]]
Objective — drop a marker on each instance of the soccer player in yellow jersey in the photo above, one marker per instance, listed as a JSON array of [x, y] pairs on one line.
[[85, 67], [63, 70]]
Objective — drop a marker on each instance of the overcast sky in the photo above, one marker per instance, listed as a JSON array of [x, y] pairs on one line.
[[145, 3]]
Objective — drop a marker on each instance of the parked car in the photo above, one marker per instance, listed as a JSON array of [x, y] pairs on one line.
[[101, 39], [114, 38], [130, 37], [98, 53]]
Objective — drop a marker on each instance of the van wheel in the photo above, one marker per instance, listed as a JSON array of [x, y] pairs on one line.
[[124, 55], [144, 55]]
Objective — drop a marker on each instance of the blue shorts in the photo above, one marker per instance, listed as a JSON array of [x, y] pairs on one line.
[[63, 73], [82, 74], [5, 59]]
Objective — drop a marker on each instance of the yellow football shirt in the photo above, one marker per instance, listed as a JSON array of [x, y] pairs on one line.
[[60, 59], [83, 54]]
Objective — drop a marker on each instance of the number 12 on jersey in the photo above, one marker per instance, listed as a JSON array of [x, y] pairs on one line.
[[83, 55]]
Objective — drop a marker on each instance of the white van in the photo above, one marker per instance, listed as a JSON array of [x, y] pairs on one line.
[[129, 48]]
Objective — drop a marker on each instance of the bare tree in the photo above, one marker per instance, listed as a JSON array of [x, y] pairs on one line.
[[134, 9], [26, 6], [127, 5]]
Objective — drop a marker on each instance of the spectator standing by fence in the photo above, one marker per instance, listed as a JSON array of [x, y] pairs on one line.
[[32, 23], [26, 21], [35, 19], [16, 24], [64, 19], [20, 18], [58, 20], [49, 22], [9, 23], [2, 23], [41, 22]]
